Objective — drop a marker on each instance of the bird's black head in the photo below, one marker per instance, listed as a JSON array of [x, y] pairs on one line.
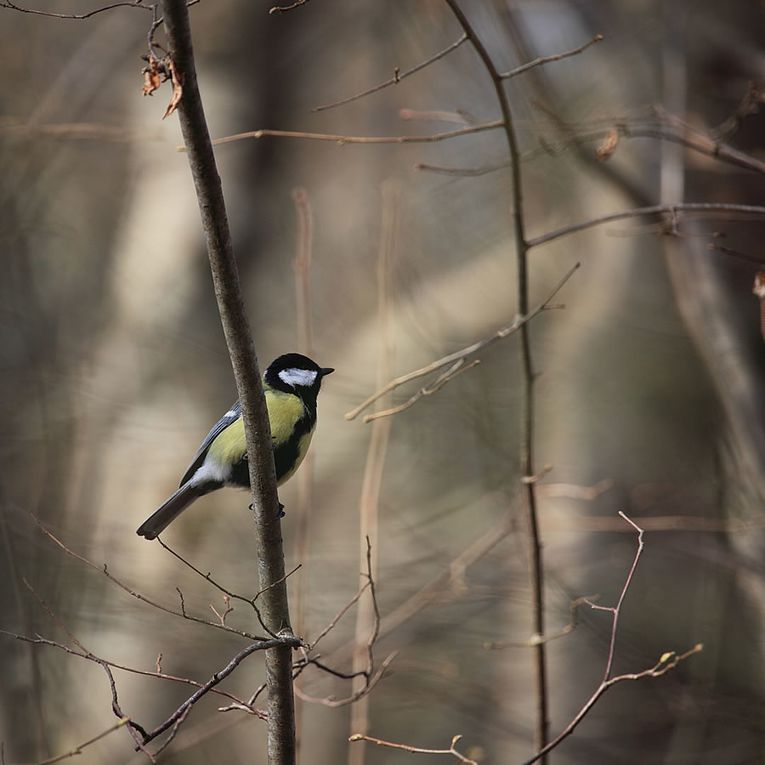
[[295, 373]]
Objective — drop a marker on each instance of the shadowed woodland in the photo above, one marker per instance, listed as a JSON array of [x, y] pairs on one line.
[[409, 536]]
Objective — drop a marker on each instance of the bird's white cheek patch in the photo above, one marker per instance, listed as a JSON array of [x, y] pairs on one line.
[[304, 377]]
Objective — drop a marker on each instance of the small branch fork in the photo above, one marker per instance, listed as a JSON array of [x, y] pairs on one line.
[[666, 662], [173, 722], [452, 750], [371, 674], [452, 359], [137, 595], [226, 592]]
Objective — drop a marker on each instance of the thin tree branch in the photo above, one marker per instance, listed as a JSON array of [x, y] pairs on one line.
[[137, 595], [526, 456], [548, 59], [451, 359], [343, 611], [180, 713], [367, 139], [38, 640], [618, 608], [416, 749], [466, 172], [76, 16], [667, 661], [278, 9], [265, 503], [208, 578], [371, 675], [397, 77], [673, 210], [427, 390], [78, 749]]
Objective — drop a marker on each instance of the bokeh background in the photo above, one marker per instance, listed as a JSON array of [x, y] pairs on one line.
[[650, 387]]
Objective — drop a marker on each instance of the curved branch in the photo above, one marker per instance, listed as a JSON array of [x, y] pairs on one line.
[[695, 207]]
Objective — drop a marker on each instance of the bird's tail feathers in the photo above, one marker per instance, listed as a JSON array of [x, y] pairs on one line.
[[161, 518]]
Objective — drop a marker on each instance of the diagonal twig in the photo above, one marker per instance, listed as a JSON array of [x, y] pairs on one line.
[[548, 59], [452, 358], [397, 77], [137, 595]]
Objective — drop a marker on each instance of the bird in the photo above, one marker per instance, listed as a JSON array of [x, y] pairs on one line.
[[291, 384]]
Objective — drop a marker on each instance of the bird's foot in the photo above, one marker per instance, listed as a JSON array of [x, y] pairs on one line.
[[281, 513]]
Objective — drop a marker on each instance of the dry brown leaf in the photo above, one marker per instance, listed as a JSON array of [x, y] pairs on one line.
[[608, 145], [152, 76], [176, 79]]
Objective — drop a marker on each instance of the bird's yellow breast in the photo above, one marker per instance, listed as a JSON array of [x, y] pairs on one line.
[[284, 412]]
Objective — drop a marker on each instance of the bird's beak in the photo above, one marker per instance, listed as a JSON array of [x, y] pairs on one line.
[[326, 371]]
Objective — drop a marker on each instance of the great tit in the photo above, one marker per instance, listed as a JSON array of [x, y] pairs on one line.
[[291, 385]]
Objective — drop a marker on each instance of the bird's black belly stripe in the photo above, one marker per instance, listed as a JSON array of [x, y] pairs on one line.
[[285, 454]]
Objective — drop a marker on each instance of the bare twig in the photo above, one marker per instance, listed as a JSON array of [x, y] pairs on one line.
[[365, 139], [466, 172], [137, 595], [416, 749], [537, 639], [666, 662], [38, 640], [452, 358], [286, 8], [181, 712], [427, 390], [78, 749], [616, 611], [371, 675], [672, 210], [76, 16], [691, 139], [343, 611], [368, 687], [548, 59], [684, 135], [228, 593], [397, 77]]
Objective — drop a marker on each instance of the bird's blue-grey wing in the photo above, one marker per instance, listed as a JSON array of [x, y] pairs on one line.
[[232, 415]]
